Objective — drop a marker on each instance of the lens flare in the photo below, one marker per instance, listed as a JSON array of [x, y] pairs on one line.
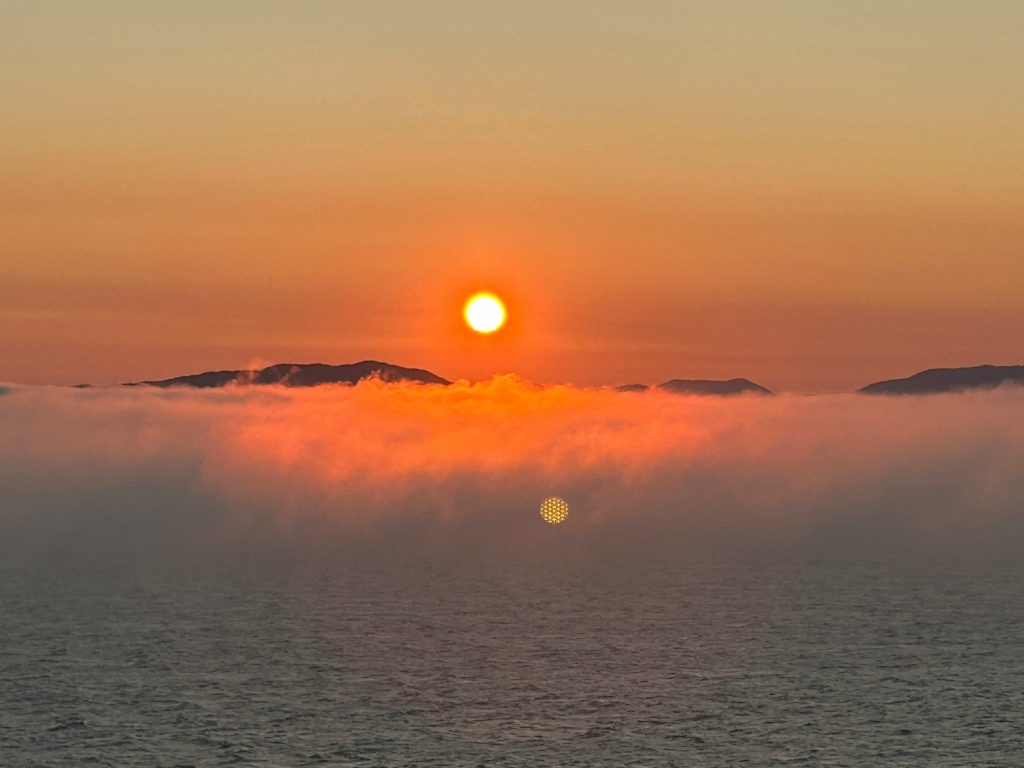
[[484, 313], [554, 510]]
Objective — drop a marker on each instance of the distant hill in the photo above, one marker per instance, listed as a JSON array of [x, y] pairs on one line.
[[703, 387], [300, 375], [937, 380]]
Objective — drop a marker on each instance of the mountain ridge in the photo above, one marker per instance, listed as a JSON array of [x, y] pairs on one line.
[[299, 375], [938, 380], [929, 381], [723, 387], [315, 374]]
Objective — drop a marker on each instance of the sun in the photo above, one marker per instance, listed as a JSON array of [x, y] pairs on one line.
[[484, 313]]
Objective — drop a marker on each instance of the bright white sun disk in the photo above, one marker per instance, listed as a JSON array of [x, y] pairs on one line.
[[484, 313]]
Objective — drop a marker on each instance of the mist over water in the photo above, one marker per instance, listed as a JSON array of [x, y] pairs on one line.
[[359, 576], [458, 472]]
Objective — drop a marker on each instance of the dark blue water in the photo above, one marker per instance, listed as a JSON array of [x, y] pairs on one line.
[[674, 665]]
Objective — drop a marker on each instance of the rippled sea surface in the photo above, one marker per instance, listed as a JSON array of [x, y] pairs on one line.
[[679, 665]]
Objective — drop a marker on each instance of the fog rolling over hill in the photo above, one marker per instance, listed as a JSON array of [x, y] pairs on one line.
[[301, 375], [931, 381], [314, 374], [938, 380], [702, 387]]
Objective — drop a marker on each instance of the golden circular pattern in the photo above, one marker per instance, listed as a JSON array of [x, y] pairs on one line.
[[554, 510]]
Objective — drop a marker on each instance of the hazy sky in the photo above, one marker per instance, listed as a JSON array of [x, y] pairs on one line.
[[812, 195]]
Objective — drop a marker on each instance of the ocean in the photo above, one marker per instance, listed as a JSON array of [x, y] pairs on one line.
[[549, 663]]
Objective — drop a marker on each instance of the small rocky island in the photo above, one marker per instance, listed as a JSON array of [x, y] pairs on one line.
[[702, 387]]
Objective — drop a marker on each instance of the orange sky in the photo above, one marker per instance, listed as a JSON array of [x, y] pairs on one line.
[[808, 195]]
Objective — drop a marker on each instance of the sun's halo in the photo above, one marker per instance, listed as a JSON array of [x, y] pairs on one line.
[[484, 313]]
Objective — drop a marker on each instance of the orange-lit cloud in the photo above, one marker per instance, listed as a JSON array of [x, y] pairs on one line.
[[339, 471]]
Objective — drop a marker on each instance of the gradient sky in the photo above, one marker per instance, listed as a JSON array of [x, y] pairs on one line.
[[812, 195]]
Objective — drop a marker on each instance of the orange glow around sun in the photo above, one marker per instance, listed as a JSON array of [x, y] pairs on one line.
[[484, 313]]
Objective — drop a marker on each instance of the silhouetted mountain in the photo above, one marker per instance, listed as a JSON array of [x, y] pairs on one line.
[[702, 387], [936, 380], [706, 387], [301, 375]]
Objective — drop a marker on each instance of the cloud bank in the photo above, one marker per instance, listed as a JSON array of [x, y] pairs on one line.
[[381, 472]]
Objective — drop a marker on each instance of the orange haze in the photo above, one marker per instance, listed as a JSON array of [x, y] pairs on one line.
[[809, 195]]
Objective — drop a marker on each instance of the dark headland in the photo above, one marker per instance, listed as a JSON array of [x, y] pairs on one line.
[[938, 380], [302, 375], [702, 387], [313, 374], [931, 381]]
